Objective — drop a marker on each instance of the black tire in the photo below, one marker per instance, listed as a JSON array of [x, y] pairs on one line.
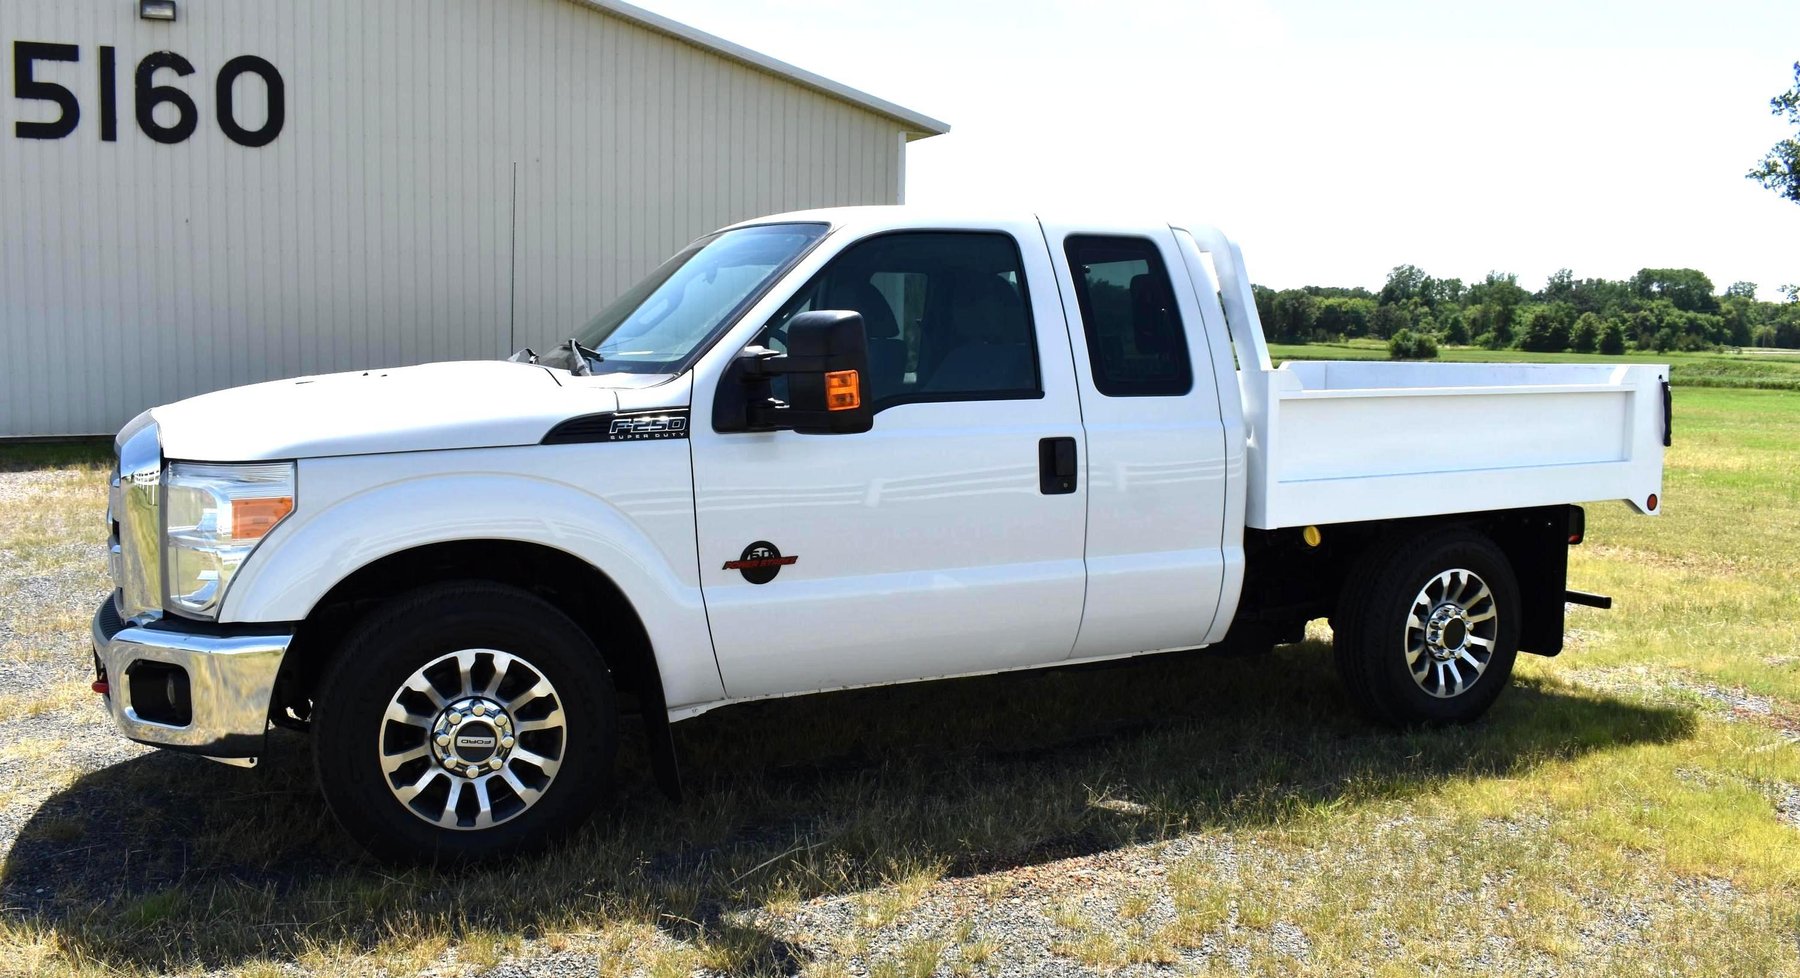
[[410, 633], [1374, 634]]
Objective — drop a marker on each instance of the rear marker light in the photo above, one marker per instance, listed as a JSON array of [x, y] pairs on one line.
[[843, 390], [101, 687], [1651, 502]]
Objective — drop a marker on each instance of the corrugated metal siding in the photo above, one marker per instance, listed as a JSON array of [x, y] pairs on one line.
[[379, 228]]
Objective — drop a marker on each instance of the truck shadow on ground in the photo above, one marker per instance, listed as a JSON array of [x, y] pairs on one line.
[[166, 861]]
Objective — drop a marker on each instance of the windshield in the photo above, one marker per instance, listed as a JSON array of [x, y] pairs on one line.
[[660, 321]]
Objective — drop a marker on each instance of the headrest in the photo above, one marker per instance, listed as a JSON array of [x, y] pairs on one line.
[[877, 313], [989, 310]]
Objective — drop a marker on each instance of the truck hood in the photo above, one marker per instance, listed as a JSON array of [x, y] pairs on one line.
[[435, 406]]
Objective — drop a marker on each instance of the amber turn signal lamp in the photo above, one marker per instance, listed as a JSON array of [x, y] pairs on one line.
[[843, 390], [252, 518]]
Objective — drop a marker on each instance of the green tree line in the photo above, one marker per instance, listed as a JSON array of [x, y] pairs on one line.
[[1658, 309]]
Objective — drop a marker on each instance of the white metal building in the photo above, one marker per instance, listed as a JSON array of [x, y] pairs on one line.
[[268, 188]]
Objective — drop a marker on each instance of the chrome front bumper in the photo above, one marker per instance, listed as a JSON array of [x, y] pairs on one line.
[[230, 680]]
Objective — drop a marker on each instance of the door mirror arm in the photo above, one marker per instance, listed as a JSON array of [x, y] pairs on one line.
[[754, 406], [762, 362]]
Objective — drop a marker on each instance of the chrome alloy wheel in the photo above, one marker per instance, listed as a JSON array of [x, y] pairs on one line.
[[1450, 633], [472, 739]]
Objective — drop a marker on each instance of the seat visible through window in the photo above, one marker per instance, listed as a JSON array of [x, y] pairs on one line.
[[887, 351], [993, 349], [944, 312]]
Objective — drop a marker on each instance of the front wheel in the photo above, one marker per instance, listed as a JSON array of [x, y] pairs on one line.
[[464, 721], [1428, 629]]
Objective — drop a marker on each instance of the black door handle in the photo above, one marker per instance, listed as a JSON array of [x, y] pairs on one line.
[[1056, 466]]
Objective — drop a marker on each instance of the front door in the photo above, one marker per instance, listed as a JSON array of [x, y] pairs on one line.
[[931, 545]]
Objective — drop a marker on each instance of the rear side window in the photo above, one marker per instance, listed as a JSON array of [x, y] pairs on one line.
[[1136, 345], [946, 313]]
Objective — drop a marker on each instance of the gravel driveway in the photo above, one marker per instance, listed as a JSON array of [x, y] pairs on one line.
[[53, 728]]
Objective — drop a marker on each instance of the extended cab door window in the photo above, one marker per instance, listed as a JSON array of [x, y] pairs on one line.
[[946, 315], [1136, 343]]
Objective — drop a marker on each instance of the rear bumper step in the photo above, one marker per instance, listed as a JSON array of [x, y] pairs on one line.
[[1602, 601]]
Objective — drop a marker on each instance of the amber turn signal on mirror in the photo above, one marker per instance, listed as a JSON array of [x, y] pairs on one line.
[[843, 390]]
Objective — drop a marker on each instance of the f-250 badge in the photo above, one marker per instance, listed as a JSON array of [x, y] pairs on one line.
[[760, 562], [643, 427]]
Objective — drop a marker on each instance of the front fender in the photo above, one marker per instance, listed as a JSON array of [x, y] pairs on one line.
[[639, 533]]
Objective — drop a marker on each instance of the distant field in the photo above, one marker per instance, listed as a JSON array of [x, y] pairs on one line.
[[1754, 369], [1630, 807]]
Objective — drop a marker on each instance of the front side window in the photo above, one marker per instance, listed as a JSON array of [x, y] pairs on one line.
[[947, 315], [1136, 344], [658, 323]]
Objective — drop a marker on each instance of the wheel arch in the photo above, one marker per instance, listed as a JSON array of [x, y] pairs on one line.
[[583, 592], [1289, 582], [574, 586]]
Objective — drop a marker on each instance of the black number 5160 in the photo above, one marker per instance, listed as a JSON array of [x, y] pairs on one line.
[[149, 94]]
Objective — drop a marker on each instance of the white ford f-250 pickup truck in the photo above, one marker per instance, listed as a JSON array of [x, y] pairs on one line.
[[822, 450]]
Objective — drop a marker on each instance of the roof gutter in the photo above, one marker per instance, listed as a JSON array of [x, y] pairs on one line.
[[917, 125]]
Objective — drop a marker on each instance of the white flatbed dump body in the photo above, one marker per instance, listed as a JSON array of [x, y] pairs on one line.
[[1343, 441]]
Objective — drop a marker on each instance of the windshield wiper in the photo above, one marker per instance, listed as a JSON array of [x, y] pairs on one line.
[[582, 359]]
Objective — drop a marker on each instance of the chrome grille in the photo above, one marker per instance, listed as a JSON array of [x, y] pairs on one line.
[[115, 564], [138, 510]]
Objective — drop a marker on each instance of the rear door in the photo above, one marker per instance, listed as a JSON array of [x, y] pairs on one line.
[[1155, 441], [931, 545]]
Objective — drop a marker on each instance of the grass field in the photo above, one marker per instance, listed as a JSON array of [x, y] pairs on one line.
[[1631, 807]]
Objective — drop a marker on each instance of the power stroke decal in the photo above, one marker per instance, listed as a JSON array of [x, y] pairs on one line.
[[760, 562], [625, 426]]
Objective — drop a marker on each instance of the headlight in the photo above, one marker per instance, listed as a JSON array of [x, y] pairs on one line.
[[216, 515]]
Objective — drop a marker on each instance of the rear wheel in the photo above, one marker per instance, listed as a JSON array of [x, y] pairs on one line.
[[1427, 629], [463, 721]]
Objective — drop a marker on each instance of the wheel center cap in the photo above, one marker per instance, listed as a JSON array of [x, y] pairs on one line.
[[475, 741], [1446, 632], [473, 736]]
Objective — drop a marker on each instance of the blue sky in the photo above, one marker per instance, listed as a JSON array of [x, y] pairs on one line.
[[1335, 140]]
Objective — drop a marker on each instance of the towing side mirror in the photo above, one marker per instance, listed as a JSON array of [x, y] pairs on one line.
[[826, 365]]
